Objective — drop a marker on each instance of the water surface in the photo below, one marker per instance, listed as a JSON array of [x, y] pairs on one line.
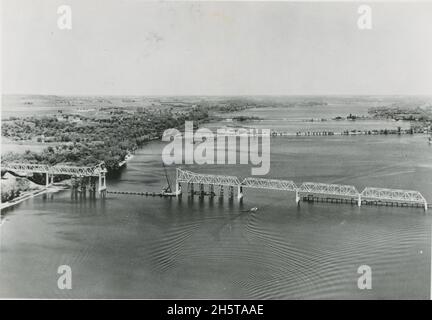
[[144, 247]]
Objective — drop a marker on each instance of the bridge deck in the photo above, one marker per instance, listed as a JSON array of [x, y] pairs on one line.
[[329, 189], [309, 188], [211, 179], [392, 195], [56, 169], [273, 184]]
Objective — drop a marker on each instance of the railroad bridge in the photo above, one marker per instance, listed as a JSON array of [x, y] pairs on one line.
[[76, 172], [310, 191]]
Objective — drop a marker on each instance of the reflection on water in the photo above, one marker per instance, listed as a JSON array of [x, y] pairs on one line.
[[145, 247]]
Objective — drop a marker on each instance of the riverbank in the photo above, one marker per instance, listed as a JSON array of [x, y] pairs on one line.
[[126, 160], [30, 194]]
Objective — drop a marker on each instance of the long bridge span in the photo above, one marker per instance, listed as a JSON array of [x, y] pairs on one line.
[[309, 190], [97, 171]]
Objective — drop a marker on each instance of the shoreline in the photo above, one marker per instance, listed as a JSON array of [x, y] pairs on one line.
[[31, 194], [126, 160]]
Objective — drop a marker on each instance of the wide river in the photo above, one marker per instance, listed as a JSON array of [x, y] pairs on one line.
[[145, 247]]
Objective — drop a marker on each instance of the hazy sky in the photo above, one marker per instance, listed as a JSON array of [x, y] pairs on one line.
[[156, 48]]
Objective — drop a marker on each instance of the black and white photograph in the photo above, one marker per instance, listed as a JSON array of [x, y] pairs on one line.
[[216, 150]]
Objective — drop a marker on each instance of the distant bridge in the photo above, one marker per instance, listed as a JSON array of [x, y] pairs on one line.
[[313, 190], [73, 171]]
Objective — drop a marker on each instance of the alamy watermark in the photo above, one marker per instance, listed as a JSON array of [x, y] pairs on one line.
[[364, 21], [365, 280], [206, 147], [65, 279], [64, 21]]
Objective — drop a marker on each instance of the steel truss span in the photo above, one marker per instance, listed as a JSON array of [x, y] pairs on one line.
[[220, 180], [57, 169], [330, 189], [273, 184], [183, 175], [392, 195]]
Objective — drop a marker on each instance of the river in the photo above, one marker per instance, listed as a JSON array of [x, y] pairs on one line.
[[144, 247]]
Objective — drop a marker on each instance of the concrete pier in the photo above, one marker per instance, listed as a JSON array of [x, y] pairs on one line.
[[231, 192], [240, 193]]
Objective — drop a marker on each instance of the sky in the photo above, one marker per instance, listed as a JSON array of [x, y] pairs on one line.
[[131, 47]]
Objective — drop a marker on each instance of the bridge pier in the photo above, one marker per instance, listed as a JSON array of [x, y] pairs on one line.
[[297, 197], [231, 192], [83, 186], [359, 200], [425, 206], [212, 193], [102, 184], [240, 192], [221, 191], [191, 188], [92, 187], [47, 179], [178, 189], [74, 183], [202, 192]]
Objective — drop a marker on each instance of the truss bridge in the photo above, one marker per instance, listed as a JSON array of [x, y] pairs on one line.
[[309, 191], [97, 171]]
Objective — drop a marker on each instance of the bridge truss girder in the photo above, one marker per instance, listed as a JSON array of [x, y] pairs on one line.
[[192, 177], [57, 169], [329, 189], [183, 175], [392, 195], [273, 184]]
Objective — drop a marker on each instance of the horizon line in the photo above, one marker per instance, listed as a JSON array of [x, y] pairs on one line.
[[218, 95]]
